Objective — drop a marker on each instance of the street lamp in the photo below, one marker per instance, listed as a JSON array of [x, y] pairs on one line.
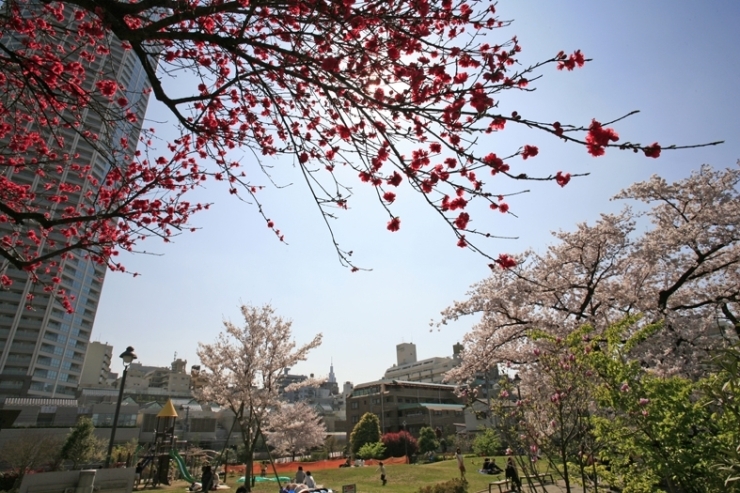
[[405, 441], [517, 380], [127, 356]]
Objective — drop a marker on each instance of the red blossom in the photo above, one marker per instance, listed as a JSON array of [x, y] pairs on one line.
[[599, 137], [462, 220], [394, 224], [653, 150], [395, 179], [506, 261], [389, 197], [529, 151], [562, 179], [107, 87]]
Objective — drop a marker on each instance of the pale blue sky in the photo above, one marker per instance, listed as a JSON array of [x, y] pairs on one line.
[[676, 61]]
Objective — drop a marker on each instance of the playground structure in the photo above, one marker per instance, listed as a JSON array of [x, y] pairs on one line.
[[163, 451]]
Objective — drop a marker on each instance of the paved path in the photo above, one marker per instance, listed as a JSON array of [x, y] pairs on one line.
[[558, 487]]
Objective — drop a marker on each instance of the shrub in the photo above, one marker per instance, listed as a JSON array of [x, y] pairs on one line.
[[364, 432], [456, 485], [427, 440], [486, 442], [372, 451], [400, 444]]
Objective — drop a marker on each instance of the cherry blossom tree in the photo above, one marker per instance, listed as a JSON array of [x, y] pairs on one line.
[[683, 271], [243, 368], [294, 429], [392, 93]]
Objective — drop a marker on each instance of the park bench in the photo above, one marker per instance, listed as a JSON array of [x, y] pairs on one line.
[[500, 483], [542, 476]]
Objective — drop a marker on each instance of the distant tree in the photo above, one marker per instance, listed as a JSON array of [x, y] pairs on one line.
[[28, 452], [486, 442], [81, 444], [330, 445], [372, 451], [367, 430], [124, 451], [427, 440], [400, 444], [461, 441], [243, 368], [294, 429], [443, 445]]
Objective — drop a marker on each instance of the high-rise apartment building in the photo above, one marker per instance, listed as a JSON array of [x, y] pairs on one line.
[[96, 369], [42, 347]]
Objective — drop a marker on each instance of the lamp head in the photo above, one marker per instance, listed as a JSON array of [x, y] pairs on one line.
[[128, 355]]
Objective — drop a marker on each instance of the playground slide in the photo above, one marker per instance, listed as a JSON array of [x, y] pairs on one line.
[[181, 466]]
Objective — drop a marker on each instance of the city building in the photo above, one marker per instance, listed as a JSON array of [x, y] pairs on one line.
[[42, 346], [206, 426], [406, 405], [160, 381], [96, 368], [430, 370]]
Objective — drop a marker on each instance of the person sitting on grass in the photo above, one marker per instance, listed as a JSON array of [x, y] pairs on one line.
[[309, 480], [490, 467]]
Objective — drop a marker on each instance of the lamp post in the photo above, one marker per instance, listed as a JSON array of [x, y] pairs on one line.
[[127, 356], [405, 441], [517, 379]]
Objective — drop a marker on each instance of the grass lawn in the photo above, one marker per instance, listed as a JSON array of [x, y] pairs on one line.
[[402, 478]]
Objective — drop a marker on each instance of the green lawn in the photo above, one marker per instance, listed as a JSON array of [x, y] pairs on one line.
[[402, 478]]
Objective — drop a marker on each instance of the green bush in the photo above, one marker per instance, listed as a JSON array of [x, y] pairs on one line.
[[452, 486], [372, 451], [486, 443]]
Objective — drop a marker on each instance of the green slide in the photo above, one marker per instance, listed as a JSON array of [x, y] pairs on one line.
[[181, 466]]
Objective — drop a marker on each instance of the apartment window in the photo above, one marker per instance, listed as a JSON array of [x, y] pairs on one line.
[[355, 419], [376, 401], [354, 405]]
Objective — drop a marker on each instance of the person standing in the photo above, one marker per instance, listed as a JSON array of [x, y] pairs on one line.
[[513, 474], [381, 468], [460, 463], [206, 479], [300, 476]]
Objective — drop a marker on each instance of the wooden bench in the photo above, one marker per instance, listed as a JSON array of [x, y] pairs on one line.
[[542, 476], [500, 483]]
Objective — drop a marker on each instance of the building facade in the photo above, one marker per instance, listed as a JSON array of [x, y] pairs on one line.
[[96, 368], [406, 405], [42, 346], [431, 370]]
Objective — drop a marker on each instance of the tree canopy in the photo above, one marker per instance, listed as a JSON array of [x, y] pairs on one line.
[[294, 429], [681, 268], [393, 94], [81, 444], [242, 370], [367, 430]]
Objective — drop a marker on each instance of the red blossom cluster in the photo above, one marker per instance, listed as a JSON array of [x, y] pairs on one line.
[[599, 137], [398, 91]]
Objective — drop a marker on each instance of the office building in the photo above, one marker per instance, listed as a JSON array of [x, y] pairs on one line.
[[431, 370]]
